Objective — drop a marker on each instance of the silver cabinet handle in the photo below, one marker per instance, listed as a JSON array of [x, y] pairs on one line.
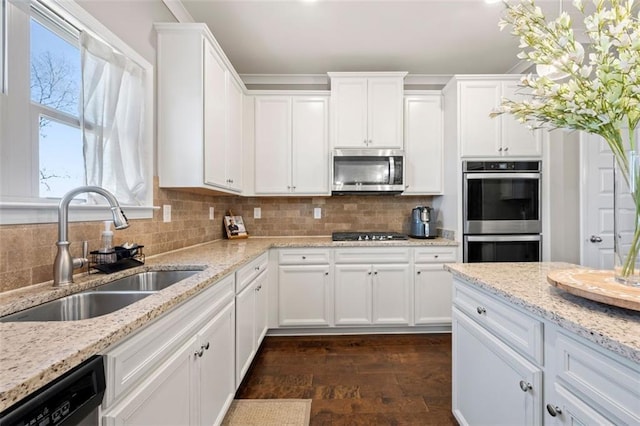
[[506, 149], [369, 273], [525, 386], [326, 273], [595, 239], [553, 410], [375, 273], [481, 310], [500, 149], [199, 353], [205, 346], [257, 268], [304, 257], [419, 272]]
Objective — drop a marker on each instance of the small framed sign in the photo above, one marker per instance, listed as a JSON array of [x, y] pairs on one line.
[[234, 225]]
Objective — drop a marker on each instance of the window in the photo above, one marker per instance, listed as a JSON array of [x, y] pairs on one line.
[[55, 102], [43, 149]]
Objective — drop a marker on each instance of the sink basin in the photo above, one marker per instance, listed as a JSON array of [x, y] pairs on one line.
[[78, 306], [146, 281]]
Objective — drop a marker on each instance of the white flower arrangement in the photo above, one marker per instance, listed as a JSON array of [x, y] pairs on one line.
[[594, 87]]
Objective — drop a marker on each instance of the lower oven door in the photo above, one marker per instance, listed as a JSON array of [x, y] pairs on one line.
[[502, 248]]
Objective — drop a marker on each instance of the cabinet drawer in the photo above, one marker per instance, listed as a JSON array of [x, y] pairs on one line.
[[434, 254], [304, 257], [248, 272], [136, 357], [517, 329], [604, 380], [372, 255]]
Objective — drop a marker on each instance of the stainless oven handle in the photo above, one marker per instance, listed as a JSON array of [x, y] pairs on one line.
[[503, 238], [392, 170], [502, 175]]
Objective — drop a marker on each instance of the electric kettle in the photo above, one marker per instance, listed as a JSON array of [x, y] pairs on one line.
[[423, 222]]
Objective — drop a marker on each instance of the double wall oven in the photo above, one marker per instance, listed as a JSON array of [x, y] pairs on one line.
[[501, 211]]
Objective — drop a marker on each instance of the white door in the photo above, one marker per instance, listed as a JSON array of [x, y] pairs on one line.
[[385, 112], [262, 308], [215, 106], [215, 373], [349, 112], [597, 203], [423, 144], [304, 295], [479, 133], [390, 294], [571, 411], [353, 294], [432, 299], [310, 156], [517, 139], [273, 145], [245, 330], [234, 134]]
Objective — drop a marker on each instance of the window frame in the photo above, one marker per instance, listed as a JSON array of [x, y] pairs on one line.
[[30, 208]]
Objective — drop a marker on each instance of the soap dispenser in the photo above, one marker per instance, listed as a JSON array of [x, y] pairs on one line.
[[106, 245]]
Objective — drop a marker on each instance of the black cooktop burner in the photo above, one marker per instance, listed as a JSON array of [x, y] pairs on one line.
[[368, 236]]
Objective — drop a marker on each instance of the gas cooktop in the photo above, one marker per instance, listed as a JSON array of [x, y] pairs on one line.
[[368, 236]]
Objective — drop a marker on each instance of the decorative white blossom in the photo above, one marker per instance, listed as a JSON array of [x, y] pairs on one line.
[[593, 87]]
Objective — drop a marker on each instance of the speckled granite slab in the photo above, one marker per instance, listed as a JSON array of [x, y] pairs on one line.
[[34, 353], [525, 285]]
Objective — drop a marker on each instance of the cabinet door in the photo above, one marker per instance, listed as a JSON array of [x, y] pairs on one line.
[[262, 308], [492, 384], [215, 105], [245, 330], [517, 139], [304, 295], [310, 156], [164, 398], [423, 143], [215, 373], [353, 294], [479, 134], [273, 145], [349, 112], [385, 112], [432, 295], [390, 294], [234, 135]]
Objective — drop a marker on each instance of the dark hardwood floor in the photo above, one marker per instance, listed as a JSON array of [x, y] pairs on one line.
[[358, 380]]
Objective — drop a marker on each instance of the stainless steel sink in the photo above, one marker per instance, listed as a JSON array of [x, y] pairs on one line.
[[79, 306], [146, 281]]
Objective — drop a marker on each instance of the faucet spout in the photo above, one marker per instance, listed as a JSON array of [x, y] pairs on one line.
[[64, 264]]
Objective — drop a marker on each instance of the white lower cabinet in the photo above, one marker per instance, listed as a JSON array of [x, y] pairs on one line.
[[372, 294], [251, 323], [500, 355], [176, 379], [492, 384], [372, 286], [305, 285], [432, 285]]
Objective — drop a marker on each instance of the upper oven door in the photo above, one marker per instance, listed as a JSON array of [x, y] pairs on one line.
[[502, 203]]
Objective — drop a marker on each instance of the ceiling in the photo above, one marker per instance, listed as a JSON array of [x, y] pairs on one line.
[[423, 37]]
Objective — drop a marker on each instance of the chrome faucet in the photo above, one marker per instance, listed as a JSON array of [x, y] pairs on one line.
[[64, 264]]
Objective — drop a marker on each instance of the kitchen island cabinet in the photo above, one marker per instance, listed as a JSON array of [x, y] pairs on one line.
[[541, 355]]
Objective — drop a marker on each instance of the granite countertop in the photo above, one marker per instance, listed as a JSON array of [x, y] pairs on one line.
[[525, 285], [34, 353]]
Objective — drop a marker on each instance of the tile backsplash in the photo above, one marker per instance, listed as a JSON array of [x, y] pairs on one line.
[[27, 251]]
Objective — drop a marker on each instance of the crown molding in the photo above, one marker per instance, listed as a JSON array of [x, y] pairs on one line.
[[176, 7]]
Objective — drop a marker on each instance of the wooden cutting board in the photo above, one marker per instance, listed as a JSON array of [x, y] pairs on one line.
[[597, 285]]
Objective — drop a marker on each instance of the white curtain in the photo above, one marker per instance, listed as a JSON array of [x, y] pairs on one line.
[[113, 93]]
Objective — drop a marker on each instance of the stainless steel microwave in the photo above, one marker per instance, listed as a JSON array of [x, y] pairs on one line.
[[368, 171]]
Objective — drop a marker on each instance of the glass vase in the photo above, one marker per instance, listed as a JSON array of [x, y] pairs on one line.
[[626, 218]]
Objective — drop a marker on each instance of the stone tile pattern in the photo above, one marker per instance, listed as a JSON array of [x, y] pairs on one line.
[[525, 285], [48, 358], [27, 251], [358, 380]]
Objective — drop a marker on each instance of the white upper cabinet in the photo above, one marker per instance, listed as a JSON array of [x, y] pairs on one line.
[[291, 145], [366, 110], [483, 136], [199, 111], [423, 142]]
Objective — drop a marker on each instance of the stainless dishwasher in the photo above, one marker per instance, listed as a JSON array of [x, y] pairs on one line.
[[72, 399]]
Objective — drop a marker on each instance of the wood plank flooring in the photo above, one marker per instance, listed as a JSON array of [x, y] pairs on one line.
[[358, 380]]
